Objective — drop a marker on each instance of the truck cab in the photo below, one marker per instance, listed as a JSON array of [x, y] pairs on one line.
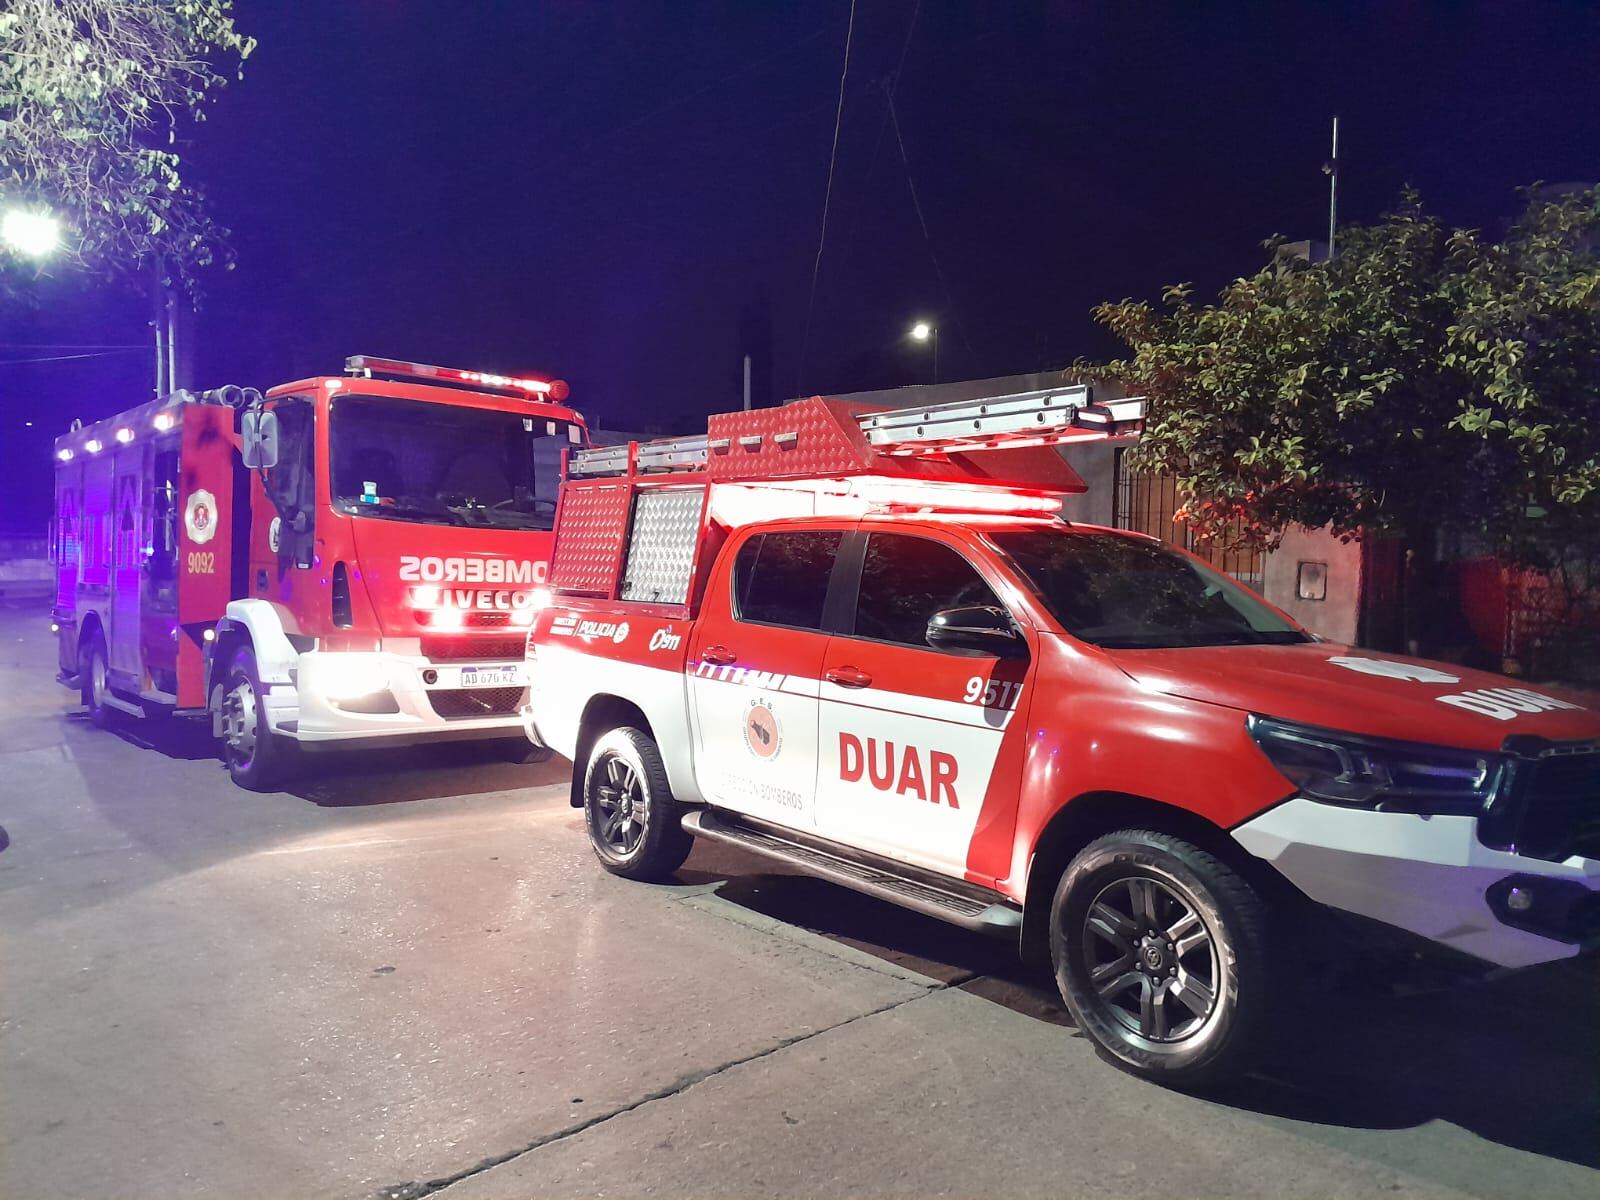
[[1076, 737]]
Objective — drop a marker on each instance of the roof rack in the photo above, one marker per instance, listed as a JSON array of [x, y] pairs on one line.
[[764, 437]]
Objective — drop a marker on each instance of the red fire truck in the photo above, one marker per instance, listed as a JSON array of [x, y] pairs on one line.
[[867, 644], [347, 559]]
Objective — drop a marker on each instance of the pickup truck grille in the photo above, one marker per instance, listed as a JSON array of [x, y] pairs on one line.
[[470, 646], [1561, 813], [460, 704]]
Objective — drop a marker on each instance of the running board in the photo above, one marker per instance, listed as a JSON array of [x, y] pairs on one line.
[[998, 916]]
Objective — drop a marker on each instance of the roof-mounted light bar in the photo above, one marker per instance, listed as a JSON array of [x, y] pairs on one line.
[[367, 365]]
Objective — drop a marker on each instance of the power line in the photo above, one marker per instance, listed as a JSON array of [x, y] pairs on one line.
[[827, 199], [916, 203], [19, 362]]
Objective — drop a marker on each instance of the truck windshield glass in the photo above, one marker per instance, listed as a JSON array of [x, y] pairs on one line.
[[414, 460], [1131, 594]]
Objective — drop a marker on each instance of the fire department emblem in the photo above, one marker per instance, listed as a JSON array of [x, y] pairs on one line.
[[761, 732], [200, 516], [275, 534]]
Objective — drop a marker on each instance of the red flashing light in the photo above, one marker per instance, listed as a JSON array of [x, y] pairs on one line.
[[366, 364]]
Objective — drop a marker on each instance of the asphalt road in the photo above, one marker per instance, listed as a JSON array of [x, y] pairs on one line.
[[408, 977]]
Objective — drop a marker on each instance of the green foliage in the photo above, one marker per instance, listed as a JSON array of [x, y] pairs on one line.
[[93, 96], [1423, 380]]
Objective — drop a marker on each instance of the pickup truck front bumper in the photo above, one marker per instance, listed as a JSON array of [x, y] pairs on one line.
[[1430, 875]]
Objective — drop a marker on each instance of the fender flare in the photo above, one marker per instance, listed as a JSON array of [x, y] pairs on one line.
[[258, 623]]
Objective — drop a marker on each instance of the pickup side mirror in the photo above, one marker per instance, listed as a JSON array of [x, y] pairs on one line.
[[258, 439], [976, 627]]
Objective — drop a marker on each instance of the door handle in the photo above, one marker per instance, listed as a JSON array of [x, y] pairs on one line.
[[718, 656], [850, 677]]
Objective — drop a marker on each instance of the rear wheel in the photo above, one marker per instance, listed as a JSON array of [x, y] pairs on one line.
[[256, 757], [634, 822], [1160, 951], [93, 676]]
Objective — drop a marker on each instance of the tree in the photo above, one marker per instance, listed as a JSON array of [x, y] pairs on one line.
[[93, 94], [1423, 382]]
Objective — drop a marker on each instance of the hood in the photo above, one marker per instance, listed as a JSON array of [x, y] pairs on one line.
[[1361, 691], [487, 573]]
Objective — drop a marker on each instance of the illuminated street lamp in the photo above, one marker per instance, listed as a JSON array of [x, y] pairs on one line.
[[31, 234], [927, 331]]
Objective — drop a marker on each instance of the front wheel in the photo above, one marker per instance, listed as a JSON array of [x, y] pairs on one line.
[[256, 757], [634, 823], [1160, 952]]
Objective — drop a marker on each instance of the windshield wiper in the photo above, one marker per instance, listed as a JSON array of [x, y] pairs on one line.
[[402, 512]]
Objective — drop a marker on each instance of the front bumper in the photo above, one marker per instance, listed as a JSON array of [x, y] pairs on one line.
[[1430, 875], [415, 699]]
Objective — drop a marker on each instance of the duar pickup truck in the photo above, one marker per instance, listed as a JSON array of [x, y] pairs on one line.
[[907, 674]]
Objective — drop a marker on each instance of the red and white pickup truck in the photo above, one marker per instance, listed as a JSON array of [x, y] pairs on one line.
[[866, 643]]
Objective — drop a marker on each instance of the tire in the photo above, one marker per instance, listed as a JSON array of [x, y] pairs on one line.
[[521, 750], [92, 679], [1182, 1007], [623, 780], [257, 758]]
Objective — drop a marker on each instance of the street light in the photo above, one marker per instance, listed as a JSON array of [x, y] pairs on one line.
[[924, 331], [33, 234]]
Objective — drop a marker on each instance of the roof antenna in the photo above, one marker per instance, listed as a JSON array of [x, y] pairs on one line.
[[1331, 170]]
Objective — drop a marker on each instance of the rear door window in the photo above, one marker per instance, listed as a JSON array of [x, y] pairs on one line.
[[782, 578]]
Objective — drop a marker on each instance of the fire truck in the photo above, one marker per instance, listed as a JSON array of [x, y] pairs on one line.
[[346, 560], [868, 645]]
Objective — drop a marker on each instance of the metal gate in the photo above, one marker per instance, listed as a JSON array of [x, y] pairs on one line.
[[1145, 503]]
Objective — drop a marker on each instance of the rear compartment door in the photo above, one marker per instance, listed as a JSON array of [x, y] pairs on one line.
[[753, 673]]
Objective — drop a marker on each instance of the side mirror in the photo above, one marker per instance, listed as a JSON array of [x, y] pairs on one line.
[[976, 627], [258, 439]]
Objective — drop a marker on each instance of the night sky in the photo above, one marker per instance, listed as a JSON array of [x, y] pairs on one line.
[[628, 195]]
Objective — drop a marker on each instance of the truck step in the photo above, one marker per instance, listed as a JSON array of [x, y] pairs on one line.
[[966, 905]]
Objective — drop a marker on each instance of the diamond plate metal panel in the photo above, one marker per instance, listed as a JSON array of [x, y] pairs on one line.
[[814, 437], [589, 535], [666, 526]]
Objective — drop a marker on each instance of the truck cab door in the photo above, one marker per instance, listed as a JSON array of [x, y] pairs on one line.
[[754, 660], [920, 748]]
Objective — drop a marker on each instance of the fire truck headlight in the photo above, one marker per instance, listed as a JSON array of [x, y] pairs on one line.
[[522, 616], [350, 676]]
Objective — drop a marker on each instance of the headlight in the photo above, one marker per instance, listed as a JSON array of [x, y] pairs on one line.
[[1346, 768]]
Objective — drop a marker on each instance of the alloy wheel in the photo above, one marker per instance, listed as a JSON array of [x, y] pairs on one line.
[[1151, 959], [621, 805]]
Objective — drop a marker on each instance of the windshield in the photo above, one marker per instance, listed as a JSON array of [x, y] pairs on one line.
[[1129, 593], [412, 460]]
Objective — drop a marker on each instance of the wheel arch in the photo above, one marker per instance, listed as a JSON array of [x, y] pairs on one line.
[[604, 711], [1094, 814]]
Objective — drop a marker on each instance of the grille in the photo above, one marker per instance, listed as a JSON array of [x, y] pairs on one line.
[[1562, 813], [487, 620], [456, 704], [457, 649]]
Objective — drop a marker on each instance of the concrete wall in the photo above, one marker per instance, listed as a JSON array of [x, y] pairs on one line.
[[1336, 617]]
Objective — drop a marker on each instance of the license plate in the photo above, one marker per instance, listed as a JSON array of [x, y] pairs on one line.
[[513, 676]]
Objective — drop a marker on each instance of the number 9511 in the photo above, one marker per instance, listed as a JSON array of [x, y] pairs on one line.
[[992, 693]]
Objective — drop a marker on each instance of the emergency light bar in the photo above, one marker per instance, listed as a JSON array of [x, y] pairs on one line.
[[367, 365]]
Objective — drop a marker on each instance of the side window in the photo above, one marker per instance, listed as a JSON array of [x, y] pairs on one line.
[[905, 580], [782, 578]]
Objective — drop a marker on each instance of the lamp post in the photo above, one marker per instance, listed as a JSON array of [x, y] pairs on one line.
[[925, 331]]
